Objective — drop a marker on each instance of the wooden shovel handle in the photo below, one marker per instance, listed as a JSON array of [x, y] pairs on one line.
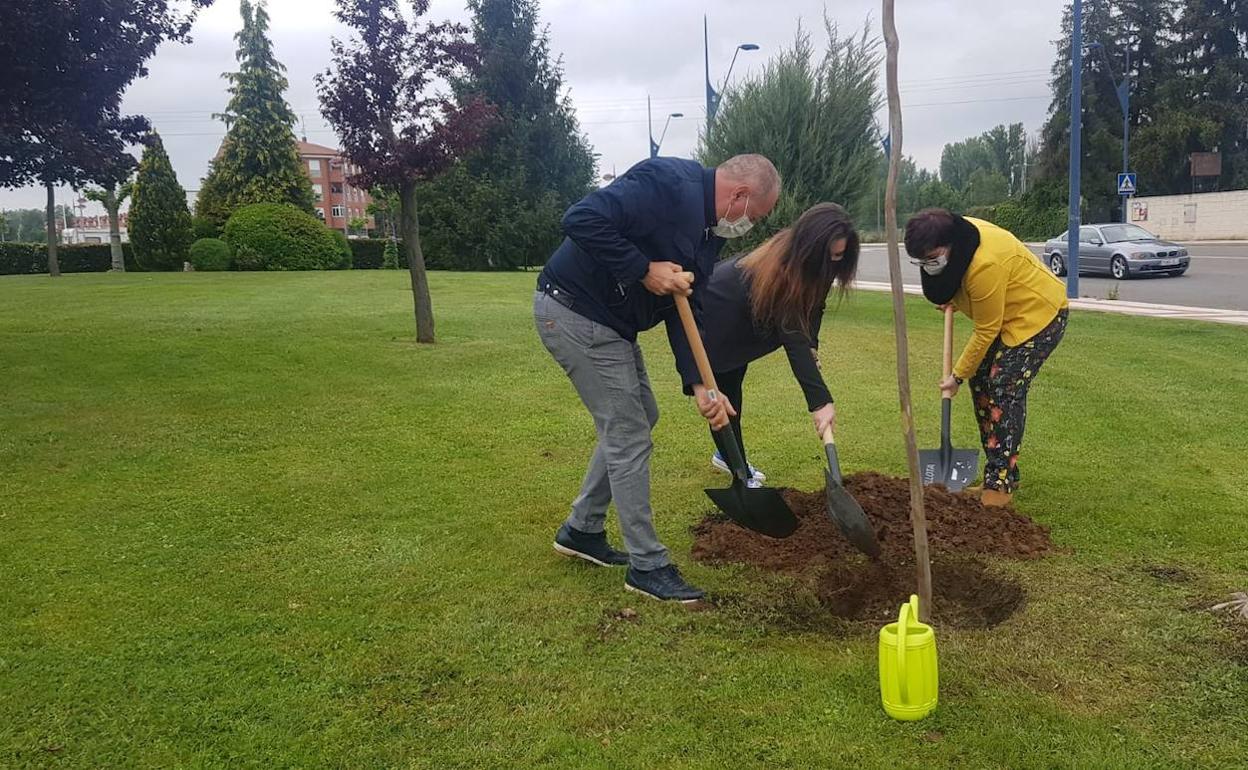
[[828, 438], [695, 342], [948, 363]]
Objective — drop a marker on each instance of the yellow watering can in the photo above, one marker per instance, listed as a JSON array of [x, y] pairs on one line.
[[908, 680]]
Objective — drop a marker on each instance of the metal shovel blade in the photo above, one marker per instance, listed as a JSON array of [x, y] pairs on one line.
[[951, 468], [761, 509], [844, 509]]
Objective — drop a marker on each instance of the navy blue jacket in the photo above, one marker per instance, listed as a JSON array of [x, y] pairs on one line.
[[660, 210]]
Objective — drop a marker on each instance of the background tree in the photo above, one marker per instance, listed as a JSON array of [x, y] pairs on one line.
[[160, 223], [378, 96], [26, 225], [1102, 120], [815, 119], [1187, 94], [998, 154], [912, 181], [500, 206], [384, 209], [1212, 56], [111, 196], [62, 121], [259, 159]]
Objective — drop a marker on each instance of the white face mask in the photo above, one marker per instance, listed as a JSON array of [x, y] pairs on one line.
[[733, 228], [934, 266]]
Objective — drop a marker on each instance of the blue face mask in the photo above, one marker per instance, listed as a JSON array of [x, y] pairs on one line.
[[734, 228]]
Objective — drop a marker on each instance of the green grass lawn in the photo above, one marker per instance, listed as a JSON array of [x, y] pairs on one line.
[[246, 521]]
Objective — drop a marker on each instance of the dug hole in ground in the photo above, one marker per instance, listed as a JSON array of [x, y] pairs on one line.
[[967, 592]]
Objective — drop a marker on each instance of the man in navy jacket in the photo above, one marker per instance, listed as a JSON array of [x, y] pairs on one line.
[[627, 250]]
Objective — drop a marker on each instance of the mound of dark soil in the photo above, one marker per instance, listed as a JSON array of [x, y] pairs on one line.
[[966, 592]]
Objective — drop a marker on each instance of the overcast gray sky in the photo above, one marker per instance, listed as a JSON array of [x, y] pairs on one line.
[[965, 66]]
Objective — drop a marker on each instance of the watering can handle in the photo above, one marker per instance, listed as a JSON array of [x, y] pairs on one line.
[[903, 620]]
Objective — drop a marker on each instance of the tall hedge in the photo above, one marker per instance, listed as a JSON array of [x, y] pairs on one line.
[[32, 258], [368, 253], [278, 236], [1027, 223]]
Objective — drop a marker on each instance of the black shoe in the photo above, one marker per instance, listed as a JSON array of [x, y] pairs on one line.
[[664, 583], [590, 546]]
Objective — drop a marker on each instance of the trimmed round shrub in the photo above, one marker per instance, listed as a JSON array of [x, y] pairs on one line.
[[210, 254], [278, 236], [344, 249]]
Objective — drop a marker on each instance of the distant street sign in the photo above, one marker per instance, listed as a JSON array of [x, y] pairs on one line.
[[1126, 184]]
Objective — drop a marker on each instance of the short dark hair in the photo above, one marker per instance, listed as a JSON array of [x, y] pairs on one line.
[[927, 230]]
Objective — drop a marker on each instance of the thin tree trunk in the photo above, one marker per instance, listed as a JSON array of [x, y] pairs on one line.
[[918, 517], [410, 225], [54, 266], [114, 233]]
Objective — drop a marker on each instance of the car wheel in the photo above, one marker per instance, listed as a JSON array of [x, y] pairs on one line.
[[1057, 264], [1118, 268]]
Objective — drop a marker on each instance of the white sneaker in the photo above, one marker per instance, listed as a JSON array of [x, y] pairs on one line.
[[717, 460]]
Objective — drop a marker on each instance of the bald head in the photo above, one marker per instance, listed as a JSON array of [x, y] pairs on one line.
[[748, 183]]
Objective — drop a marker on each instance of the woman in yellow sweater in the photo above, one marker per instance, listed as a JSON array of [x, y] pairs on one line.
[[1019, 309]]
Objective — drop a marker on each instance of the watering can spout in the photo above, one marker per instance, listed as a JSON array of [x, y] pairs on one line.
[[908, 673]]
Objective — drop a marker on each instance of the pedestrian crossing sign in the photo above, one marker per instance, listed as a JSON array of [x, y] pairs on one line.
[[1126, 183]]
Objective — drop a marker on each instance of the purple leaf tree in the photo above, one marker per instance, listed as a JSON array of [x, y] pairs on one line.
[[66, 67], [381, 96]]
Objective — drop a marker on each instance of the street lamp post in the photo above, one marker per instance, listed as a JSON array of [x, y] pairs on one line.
[[1123, 89], [712, 96], [1073, 219], [654, 146]]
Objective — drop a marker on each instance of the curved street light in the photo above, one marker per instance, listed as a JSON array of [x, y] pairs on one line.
[[712, 96], [654, 146]]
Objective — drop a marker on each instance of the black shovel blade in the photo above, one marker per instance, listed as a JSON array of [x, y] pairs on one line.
[[760, 509], [960, 468], [850, 518]]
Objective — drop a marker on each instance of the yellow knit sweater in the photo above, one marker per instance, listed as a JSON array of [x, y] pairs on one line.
[[1006, 292]]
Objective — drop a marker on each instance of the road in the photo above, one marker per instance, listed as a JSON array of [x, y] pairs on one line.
[[1217, 278]]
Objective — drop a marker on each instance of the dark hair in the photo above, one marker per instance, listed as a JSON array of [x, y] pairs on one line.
[[927, 230], [791, 273]]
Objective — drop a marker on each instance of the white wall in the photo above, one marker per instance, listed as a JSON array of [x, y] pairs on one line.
[[1204, 216]]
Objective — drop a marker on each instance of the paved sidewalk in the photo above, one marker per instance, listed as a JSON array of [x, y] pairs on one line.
[[1183, 312]]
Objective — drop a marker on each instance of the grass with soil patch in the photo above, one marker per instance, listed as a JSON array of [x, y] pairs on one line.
[[244, 519]]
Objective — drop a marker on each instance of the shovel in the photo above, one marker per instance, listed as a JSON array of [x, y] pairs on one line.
[[758, 508], [843, 508], [951, 468]]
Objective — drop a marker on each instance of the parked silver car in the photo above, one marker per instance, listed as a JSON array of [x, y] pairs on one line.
[[1121, 250]]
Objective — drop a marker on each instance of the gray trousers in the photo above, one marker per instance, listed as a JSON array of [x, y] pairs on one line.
[[610, 377]]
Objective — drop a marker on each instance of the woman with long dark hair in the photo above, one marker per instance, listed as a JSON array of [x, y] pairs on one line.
[[774, 297]]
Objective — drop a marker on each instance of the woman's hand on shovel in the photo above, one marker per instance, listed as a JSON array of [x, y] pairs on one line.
[[825, 419], [715, 411], [949, 387]]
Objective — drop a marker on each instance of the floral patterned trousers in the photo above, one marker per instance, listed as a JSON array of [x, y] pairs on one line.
[[999, 389]]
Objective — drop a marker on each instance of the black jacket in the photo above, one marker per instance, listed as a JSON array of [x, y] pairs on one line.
[[660, 210], [734, 340]]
